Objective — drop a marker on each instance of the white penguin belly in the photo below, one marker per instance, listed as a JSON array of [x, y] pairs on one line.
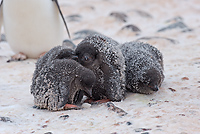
[[32, 26]]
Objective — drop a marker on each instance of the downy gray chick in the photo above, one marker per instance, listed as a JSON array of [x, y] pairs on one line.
[[59, 80]]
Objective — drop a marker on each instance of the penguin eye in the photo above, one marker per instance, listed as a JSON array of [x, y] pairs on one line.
[[87, 59]]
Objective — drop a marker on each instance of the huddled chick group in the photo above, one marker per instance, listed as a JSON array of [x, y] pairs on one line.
[[99, 68]]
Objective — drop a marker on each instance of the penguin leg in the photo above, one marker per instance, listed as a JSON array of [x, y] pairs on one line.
[[18, 57], [71, 107], [91, 101]]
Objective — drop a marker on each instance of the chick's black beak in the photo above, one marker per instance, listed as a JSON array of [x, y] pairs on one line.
[[86, 58], [155, 88], [89, 93]]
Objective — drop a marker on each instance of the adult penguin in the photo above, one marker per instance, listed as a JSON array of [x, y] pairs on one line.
[[32, 27]]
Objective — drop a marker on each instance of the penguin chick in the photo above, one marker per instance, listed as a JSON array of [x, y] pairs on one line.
[[144, 67], [32, 27], [100, 54], [59, 80]]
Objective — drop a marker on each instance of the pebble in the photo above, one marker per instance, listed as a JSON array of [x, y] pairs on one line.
[[128, 123], [131, 27], [64, 117], [142, 129], [5, 119], [143, 13], [86, 105], [119, 16], [74, 17], [48, 133]]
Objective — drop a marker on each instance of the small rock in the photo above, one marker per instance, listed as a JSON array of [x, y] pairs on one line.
[[64, 117], [185, 78], [86, 105], [142, 129], [119, 16], [131, 27], [175, 25], [44, 126], [173, 90], [151, 104], [143, 13], [182, 114], [48, 133], [128, 123], [118, 110], [5, 119], [74, 17]]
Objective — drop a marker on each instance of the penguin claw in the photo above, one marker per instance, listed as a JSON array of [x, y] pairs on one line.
[[71, 107], [18, 57]]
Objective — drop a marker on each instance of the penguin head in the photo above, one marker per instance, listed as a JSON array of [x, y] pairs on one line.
[[67, 54], [82, 84], [151, 81], [86, 54]]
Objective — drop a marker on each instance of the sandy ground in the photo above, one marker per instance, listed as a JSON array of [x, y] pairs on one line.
[[175, 108]]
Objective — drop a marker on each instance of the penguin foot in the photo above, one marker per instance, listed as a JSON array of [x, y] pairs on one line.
[[18, 57], [42, 54], [71, 107], [93, 102]]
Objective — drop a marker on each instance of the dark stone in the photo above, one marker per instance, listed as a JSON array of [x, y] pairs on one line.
[[142, 129], [74, 17], [175, 25], [48, 133], [128, 123], [64, 117], [119, 16], [5, 119], [143, 13], [131, 27]]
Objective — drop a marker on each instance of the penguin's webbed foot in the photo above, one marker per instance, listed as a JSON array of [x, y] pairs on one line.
[[71, 107], [93, 102], [18, 57]]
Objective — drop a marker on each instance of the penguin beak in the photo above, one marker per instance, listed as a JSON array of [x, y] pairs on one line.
[[89, 93], [86, 58], [155, 88]]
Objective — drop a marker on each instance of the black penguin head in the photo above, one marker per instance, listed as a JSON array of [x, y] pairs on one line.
[[151, 82], [67, 54], [86, 54], [82, 84], [87, 81]]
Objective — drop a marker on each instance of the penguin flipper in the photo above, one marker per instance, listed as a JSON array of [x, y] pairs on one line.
[[56, 1], [1, 3]]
